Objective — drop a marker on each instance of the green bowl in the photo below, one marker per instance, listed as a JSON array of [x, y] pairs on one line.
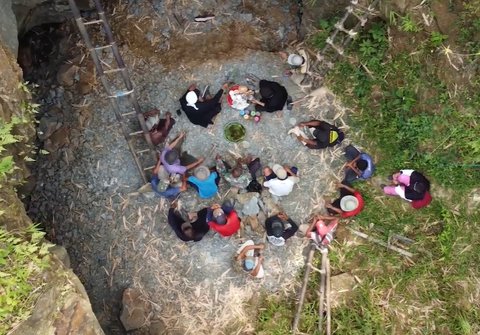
[[234, 132]]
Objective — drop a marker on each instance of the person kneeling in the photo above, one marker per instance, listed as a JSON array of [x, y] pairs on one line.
[[317, 134], [250, 259], [280, 228], [192, 229], [322, 229], [204, 181]]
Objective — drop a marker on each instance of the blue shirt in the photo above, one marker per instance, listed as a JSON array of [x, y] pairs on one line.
[[368, 172], [169, 193], [206, 188]]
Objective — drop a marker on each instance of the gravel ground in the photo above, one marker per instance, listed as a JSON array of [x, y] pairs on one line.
[[117, 240]]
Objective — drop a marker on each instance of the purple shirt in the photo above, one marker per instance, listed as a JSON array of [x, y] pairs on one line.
[[176, 167]]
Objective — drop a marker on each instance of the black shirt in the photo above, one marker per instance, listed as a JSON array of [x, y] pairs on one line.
[[276, 101], [287, 233], [322, 135], [206, 109], [410, 193], [199, 226]]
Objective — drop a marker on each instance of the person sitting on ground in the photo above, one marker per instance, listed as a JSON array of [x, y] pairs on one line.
[[204, 181], [322, 229], [170, 157], [192, 229], [273, 97], [223, 219], [360, 165], [410, 185], [350, 202], [280, 228], [297, 61], [317, 134], [280, 179], [240, 97], [250, 258], [158, 128], [238, 176], [167, 185], [201, 110]]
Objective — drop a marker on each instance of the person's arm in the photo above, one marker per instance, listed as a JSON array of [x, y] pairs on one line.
[[255, 271], [175, 141], [195, 164], [157, 167], [312, 123], [183, 187], [310, 227], [348, 188], [333, 208], [241, 255], [256, 102], [306, 140], [290, 231]]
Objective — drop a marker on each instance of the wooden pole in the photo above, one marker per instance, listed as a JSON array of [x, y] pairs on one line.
[[304, 288], [383, 244], [327, 296], [321, 302]]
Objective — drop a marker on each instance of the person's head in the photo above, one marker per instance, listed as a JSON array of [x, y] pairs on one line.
[[266, 92], [277, 228], [362, 164], [419, 187], [348, 203], [219, 216], [236, 172], [201, 172], [336, 136], [295, 60], [279, 171], [175, 180], [171, 156], [192, 99]]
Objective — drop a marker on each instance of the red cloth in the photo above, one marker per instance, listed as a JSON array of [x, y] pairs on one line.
[[356, 210], [229, 98], [427, 199], [229, 228]]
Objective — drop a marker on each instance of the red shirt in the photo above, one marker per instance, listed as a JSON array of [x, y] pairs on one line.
[[229, 228], [356, 210]]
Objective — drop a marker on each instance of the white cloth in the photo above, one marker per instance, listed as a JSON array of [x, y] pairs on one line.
[[192, 99], [276, 241], [152, 121], [239, 101], [281, 187], [251, 253]]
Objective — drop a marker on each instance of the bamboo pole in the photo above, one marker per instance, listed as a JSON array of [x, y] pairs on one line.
[[327, 296], [321, 304], [383, 244], [301, 299]]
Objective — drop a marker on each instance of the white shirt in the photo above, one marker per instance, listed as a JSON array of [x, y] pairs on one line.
[[281, 187]]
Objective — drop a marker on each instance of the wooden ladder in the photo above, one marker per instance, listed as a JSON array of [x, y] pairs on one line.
[[341, 37], [115, 96]]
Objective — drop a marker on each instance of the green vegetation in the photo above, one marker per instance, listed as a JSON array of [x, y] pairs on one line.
[[23, 257], [413, 109], [8, 135]]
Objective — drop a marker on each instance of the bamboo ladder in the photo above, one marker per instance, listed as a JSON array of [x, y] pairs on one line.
[[117, 97], [341, 37]]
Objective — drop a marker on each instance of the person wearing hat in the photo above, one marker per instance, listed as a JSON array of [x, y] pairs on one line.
[[280, 228], [204, 181], [238, 176], [167, 185], [200, 110], [322, 229], [360, 165], [191, 229], [317, 134], [251, 259], [349, 204], [280, 179], [223, 219], [298, 60], [409, 185], [170, 157], [273, 97]]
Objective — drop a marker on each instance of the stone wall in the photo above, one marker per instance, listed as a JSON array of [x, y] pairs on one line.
[[63, 306]]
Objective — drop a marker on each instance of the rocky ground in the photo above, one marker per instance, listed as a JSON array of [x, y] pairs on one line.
[[85, 189]]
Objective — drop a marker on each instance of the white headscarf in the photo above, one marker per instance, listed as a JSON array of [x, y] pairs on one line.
[[192, 99]]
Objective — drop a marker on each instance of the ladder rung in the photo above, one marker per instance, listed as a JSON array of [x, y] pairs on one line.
[[142, 151], [149, 168], [129, 113], [136, 133], [121, 94], [103, 47], [114, 70], [92, 22]]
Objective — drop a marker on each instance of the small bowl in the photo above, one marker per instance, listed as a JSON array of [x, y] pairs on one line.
[[234, 132]]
